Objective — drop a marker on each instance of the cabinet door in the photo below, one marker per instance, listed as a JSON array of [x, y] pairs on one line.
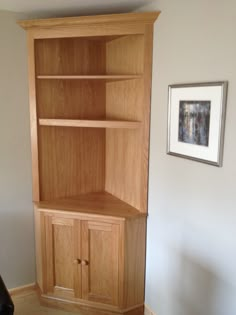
[[100, 262], [62, 266]]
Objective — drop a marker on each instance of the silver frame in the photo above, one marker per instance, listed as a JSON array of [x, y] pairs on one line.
[[224, 87]]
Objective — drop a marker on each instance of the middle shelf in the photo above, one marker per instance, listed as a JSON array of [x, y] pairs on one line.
[[90, 123], [109, 77]]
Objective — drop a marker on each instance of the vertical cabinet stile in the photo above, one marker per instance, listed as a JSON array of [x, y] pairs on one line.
[[33, 115]]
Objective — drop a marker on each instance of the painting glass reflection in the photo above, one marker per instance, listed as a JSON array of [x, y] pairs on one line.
[[194, 122]]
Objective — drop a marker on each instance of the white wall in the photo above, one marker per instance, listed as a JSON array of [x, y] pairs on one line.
[[191, 256], [17, 264]]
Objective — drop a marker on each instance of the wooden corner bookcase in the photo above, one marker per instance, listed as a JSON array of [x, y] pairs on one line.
[[89, 91]]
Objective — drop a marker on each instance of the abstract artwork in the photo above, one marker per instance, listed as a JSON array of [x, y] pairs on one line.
[[196, 118], [194, 122]]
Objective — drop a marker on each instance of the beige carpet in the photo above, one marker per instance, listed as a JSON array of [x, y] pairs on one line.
[[28, 304]]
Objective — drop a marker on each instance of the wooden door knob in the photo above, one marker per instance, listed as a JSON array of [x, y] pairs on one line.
[[84, 262], [77, 261]]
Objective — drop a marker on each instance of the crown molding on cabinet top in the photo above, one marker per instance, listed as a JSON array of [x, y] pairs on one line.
[[134, 18]]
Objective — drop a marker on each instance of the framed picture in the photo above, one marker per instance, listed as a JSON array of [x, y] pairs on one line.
[[196, 119]]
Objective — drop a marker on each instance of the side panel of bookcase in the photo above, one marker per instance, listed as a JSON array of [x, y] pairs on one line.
[[33, 116]]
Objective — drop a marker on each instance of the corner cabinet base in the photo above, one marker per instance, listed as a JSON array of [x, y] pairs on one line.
[[91, 264], [86, 309]]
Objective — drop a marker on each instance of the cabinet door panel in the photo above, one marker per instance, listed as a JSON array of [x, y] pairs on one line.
[[63, 255], [62, 249], [100, 264]]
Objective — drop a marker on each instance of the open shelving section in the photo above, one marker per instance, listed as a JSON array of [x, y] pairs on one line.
[[90, 93], [91, 117]]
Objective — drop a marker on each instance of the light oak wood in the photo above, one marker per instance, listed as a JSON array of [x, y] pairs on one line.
[[90, 182], [124, 55], [61, 249], [109, 25], [39, 237], [107, 254], [26, 302], [33, 117], [100, 270], [134, 267], [123, 149], [83, 31], [29, 304], [123, 164], [100, 203], [148, 51], [137, 18], [67, 170], [70, 56], [89, 77], [86, 309], [71, 99], [90, 123]]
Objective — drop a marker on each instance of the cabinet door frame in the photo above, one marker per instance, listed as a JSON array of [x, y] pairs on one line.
[[114, 229], [49, 286]]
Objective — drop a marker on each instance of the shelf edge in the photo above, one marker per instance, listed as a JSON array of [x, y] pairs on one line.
[[90, 123], [89, 77]]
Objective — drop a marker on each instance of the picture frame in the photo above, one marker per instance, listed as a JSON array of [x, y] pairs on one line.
[[196, 121]]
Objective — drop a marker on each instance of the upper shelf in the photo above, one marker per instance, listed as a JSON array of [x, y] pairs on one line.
[[90, 123], [90, 77]]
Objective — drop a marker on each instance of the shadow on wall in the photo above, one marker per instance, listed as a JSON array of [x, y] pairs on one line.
[[195, 288], [199, 291]]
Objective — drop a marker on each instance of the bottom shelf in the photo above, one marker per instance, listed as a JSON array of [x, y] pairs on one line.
[[101, 203]]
